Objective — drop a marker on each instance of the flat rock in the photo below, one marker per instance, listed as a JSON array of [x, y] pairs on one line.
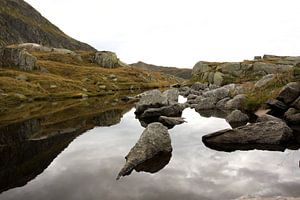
[[268, 135], [170, 122]]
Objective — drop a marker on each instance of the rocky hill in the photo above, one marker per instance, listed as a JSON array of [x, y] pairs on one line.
[[21, 23], [183, 73], [238, 72]]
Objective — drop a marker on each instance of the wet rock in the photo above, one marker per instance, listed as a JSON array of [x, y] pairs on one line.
[[264, 80], [154, 139], [236, 118], [213, 113], [269, 135], [170, 122], [289, 93], [236, 102], [150, 99]]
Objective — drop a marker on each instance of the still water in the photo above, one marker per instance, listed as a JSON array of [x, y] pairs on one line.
[[85, 168]]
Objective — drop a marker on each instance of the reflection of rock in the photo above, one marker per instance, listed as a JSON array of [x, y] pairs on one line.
[[265, 135], [154, 139], [156, 163], [18, 132]]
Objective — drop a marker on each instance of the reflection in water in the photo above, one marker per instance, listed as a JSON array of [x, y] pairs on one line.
[[28, 147], [86, 169]]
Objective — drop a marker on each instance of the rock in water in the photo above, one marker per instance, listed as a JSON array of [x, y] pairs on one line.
[[265, 135], [154, 140], [170, 122], [151, 99]]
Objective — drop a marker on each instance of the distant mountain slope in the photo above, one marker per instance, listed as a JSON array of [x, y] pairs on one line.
[[21, 23], [183, 73]]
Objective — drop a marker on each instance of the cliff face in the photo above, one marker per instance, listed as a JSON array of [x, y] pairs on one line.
[[21, 23]]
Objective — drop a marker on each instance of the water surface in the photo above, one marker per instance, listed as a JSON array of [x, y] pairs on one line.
[[86, 167]]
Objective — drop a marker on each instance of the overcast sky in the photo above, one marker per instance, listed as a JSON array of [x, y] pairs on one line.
[[180, 33]]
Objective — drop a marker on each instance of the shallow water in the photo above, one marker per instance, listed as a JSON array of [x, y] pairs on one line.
[[88, 166]]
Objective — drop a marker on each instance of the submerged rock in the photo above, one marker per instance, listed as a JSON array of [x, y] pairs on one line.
[[265, 135], [154, 140]]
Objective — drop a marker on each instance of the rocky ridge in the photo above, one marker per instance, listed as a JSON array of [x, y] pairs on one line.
[[222, 73]]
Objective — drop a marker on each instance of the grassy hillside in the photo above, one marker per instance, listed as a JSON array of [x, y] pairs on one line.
[[64, 76]]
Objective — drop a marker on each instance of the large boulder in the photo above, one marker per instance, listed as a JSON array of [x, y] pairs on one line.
[[18, 58], [150, 99], [289, 93], [200, 68], [154, 140], [108, 59], [233, 68], [266, 135]]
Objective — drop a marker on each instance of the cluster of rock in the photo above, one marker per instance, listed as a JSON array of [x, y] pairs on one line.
[[108, 59], [226, 100], [267, 132], [230, 72], [157, 112], [155, 106], [18, 58]]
